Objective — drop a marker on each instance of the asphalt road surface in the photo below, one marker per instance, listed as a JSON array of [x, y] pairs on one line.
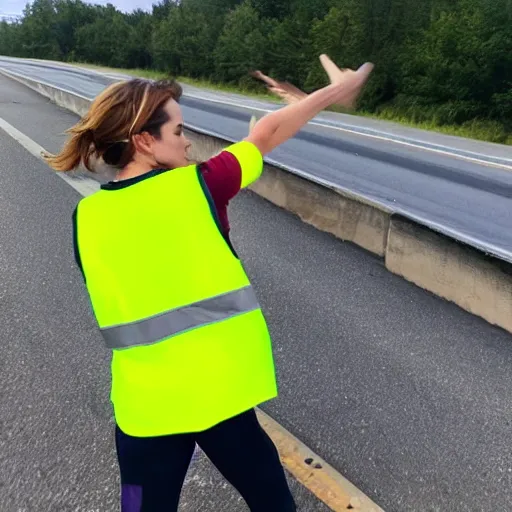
[[469, 201], [406, 395]]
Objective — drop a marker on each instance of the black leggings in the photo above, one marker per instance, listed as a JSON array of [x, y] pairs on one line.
[[153, 468]]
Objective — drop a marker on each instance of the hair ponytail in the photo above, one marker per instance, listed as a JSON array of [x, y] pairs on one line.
[[77, 150]]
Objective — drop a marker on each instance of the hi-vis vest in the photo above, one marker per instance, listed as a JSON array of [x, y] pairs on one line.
[[190, 344]]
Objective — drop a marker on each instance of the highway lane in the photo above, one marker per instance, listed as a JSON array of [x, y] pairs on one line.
[[405, 394], [470, 201]]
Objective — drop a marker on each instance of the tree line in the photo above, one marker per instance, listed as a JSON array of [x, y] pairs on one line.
[[439, 61]]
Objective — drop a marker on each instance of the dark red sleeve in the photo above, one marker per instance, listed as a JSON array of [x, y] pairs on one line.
[[223, 177]]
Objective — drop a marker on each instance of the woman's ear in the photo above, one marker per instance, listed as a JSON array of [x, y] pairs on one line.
[[143, 143]]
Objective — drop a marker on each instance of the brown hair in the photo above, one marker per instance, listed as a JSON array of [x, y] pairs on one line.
[[120, 111]]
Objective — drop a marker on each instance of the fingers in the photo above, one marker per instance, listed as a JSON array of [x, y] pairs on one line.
[[252, 123], [286, 91], [352, 89], [333, 71], [287, 96], [289, 92], [365, 70], [337, 75], [294, 90], [264, 78]]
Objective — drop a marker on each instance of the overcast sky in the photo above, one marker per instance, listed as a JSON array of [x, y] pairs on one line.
[[17, 6]]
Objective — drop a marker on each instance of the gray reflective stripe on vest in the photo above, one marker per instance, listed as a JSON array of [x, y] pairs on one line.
[[176, 321]]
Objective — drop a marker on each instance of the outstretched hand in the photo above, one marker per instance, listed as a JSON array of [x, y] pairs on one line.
[[284, 90], [349, 81]]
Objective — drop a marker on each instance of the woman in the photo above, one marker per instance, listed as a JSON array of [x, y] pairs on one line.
[[191, 350]]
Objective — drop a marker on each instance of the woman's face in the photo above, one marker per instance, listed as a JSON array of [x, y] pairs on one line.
[[170, 150]]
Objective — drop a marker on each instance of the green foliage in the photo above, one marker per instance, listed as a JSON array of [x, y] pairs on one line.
[[341, 35], [10, 42], [438, 62], [109, 40], [461, 65], [181, 45], [38, 31], [242, 45], [277, 9], [289, 52]]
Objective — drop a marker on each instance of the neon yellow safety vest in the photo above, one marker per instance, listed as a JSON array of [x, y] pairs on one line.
[[190, 344]]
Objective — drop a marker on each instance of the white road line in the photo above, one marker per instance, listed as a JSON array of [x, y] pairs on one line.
[[82, 185]]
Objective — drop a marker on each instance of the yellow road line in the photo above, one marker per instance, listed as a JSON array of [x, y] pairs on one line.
[[314, 473]]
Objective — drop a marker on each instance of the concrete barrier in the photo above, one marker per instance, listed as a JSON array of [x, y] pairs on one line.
[[66, 99], [457, 272], [464, 275]]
